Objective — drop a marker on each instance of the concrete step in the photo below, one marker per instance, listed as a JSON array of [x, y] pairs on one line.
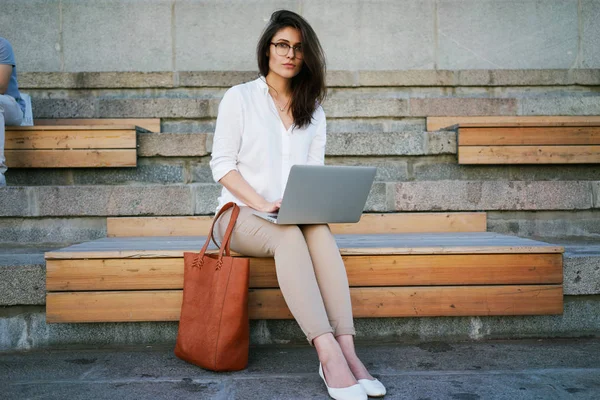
[[407, 142], [200, 199], [581, 265], [23, 273], [361, 78], [550, 225], [40, 231], [25, 328], [346, 103], [169, 165], [517, 369], [334, 125]]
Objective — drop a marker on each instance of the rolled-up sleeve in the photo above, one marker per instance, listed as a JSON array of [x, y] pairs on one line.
[[7, 55], [228, 135], [316, 152]]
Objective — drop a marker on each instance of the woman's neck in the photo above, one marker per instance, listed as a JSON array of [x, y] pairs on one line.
[[280, 84]]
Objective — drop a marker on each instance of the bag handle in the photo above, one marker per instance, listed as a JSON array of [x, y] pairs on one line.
[[226, 239]]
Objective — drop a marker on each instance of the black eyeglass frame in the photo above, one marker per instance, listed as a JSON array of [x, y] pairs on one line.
[[296, 49]]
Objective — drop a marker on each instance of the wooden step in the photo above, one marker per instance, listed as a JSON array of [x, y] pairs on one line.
[[165, 305], [61, 138], [391, 275], [512, 140], [368, 224], [69, 128], [70, 158], [71, 146], [528, 154], [527, 136]]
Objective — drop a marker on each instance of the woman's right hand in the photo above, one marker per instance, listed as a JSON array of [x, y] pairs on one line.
[[241, 189], [270, 207]]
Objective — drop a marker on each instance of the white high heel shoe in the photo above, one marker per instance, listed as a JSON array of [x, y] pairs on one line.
[[374, 388], [354, 392]]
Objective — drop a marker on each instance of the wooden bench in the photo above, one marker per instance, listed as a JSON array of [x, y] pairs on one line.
[[75, 143], [525, 140], [460, 270]]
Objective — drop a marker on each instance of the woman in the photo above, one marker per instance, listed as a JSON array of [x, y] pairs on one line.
[[263, 128]]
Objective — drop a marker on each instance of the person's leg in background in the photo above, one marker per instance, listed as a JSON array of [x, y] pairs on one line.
[[10, 114], [333, 284], [255, 237]]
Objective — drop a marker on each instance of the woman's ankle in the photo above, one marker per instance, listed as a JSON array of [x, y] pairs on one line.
[[356, 366], [327, 348], [335, 367], [346, 343]]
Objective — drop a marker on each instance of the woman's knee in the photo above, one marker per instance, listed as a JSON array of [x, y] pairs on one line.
[[317, 230], [324, 228], [290, 233]]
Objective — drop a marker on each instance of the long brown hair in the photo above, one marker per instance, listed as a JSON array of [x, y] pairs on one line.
[[308, 86]]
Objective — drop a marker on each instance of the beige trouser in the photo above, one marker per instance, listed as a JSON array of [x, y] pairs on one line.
[[310, 270]]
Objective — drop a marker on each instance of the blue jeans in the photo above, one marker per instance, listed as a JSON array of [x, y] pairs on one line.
[[10, 114]]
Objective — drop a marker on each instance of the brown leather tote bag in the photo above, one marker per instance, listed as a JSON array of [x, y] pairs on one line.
[[214, 331]]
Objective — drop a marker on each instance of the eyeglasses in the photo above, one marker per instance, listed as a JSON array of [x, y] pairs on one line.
[[283, 49]]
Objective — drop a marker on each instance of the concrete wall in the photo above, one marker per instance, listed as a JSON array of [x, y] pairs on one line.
[[194, 35]]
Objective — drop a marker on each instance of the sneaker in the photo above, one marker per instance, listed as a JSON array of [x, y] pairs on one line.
[[2, 180]]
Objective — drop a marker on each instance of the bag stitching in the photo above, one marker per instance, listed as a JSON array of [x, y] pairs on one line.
[[221, 316]]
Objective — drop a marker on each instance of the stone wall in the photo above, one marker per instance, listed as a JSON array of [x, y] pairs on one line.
[[205, 35]]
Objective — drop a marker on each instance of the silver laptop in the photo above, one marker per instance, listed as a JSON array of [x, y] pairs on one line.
[[317, 194]]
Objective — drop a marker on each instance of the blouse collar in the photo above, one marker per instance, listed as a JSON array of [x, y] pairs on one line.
[[262, 83]]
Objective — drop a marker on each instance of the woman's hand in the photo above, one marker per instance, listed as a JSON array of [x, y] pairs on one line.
[[241, 189], [270, 207]]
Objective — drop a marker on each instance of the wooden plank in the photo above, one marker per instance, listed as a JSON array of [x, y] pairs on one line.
[[418, 301], [70, 158], [370, 240], [414, 223], [528, 136], [71, 139], [558, 124], [158, 226], [146, 254], [528, 154], [150, 124], [369, 223], [437, 123], [440, 301], [43, 128], [378, 244], [404, 270]]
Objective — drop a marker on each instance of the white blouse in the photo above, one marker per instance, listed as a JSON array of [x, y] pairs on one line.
[[250, 138]]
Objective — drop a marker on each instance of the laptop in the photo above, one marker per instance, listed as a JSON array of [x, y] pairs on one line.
[[318, 194]]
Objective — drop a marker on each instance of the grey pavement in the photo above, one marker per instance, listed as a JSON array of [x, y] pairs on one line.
[[516, 369]]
